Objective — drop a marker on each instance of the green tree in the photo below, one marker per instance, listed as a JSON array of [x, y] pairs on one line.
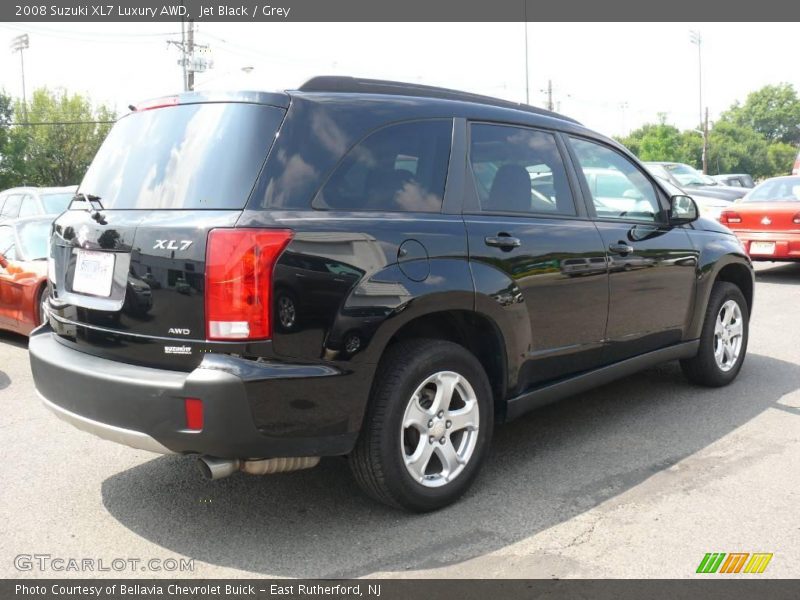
[[773, 111], [781, 158], [734, 148], [61, 136], [11, 150], [661, 141]]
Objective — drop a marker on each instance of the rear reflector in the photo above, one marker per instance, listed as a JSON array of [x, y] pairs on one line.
[[730, 216], [194, 413], [796, 219], [239, 265]]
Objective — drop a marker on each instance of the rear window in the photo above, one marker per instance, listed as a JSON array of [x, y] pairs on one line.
[[775, 190], [399, 168], [55, 204], [185, 156]]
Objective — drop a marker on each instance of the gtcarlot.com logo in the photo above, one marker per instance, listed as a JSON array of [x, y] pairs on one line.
[[734, 562], [48, 562]]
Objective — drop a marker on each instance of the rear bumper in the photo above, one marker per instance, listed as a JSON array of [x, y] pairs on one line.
[[143, 407], [787, 245]]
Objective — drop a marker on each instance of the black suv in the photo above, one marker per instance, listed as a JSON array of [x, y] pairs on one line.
[[370, 269]]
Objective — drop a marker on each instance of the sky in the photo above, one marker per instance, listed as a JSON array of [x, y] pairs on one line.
[[613, 77]]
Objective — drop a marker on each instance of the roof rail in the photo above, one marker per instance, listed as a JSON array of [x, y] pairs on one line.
[[331, 83]]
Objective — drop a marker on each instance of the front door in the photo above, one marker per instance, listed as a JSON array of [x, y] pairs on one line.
[[528, 238], [652, 266]]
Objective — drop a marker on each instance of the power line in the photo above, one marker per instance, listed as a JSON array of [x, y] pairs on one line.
[[47, 31], [64, 123]]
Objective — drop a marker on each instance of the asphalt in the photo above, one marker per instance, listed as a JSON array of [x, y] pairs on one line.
[[639, 478]]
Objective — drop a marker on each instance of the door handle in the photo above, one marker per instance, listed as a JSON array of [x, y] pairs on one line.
[[620, 248], [503, 241]]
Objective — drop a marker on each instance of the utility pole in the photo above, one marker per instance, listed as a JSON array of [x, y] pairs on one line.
[[190, 53], [705, 144], [195, 58], [20, 44], [550, 94]]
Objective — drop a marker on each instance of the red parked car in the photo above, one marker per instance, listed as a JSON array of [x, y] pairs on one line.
[[767, 220], [23, 272]]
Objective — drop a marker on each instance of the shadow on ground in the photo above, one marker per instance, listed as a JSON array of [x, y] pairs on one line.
[[10, 339], [544, 469], [13, 339], [788, 273]]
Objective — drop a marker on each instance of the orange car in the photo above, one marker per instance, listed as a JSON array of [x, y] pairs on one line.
[[23, 272]]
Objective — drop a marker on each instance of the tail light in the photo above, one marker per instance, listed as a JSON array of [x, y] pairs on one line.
[[730, 216], [796, 219], [239, 265]]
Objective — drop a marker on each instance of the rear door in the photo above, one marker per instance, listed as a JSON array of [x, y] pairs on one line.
[[652, 265], [528, 234]]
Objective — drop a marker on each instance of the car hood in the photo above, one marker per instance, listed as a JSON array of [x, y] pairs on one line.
[[718, 191]]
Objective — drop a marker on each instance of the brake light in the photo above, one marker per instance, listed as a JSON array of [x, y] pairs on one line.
[[157, 103], [730, 216], [796, 219], [239, 265]]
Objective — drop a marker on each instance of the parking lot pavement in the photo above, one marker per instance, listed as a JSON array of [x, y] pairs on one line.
[[639, 478]]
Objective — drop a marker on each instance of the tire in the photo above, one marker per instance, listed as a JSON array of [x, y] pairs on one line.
[[40, 305], [705, 368], [378, 461], [286, 311]]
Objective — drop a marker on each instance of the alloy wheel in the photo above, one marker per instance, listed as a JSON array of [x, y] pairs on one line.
[[439, 431]]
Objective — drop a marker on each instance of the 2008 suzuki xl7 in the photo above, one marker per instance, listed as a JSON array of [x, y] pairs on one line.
[[370, 269]]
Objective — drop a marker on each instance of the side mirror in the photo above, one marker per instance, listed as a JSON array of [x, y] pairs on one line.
[[3, 261], [682, 210]]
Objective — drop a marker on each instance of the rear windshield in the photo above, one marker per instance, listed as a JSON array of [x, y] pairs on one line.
[[775, 190], [56, 203], [185, 156]]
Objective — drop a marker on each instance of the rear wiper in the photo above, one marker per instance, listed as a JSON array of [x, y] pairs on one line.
[[92, 200], [93, 206]]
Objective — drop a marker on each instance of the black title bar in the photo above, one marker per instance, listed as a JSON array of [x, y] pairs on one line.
[[710, 588], [393, 10]]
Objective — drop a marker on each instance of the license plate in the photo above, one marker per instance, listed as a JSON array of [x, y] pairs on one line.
[[94, 273], [762, 247]]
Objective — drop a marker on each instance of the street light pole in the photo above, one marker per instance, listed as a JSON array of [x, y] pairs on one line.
[[525, 23], [19, 44], [697, 39]]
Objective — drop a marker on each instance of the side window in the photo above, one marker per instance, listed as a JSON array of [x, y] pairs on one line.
[[519, 170], [7, 243], [399, 168], [11, 207], [29, 207], [619, 189]]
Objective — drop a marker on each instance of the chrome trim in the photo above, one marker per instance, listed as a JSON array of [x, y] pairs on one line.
[[127, 437]]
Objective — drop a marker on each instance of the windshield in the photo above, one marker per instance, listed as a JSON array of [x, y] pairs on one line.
[[55, 204], [184, 156], [34, 238], [776, 190], [686, 175]]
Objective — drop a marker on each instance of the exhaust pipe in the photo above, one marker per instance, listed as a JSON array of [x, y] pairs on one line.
[[217, 468]]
